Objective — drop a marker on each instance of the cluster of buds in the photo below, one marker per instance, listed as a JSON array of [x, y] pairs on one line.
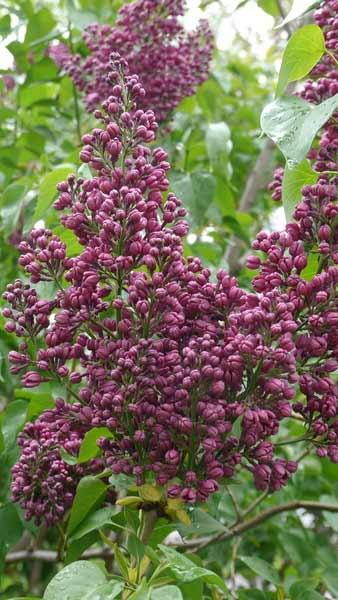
[[170, 62], [191, 376]]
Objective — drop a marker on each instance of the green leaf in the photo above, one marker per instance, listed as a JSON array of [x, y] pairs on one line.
[[218, 141], [293, 123], [302, 590], [135, 547], [252, 594], [330, 578], [13, 419], [69, 459], [198, 191], [107, 591], [193, 589], [167, 592], [262, 568], [41, 23], [89, 492], [185, 570], [5, 25], [44, 70], [76, 549], [330, 518], [310, 595], [38, 404], [204, 523], [48, 189], [69, 238], [299, 7], [295, 177], [12, 194], [95, 521], [122, 562], [12, 201], [10, 525], [75, 582], [37, 92], [142, 592], [304, 49], [89, 448], [270, 7], [311, 268]]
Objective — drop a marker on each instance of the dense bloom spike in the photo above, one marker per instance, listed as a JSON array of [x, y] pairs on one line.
[[148, 34], [191, 376]]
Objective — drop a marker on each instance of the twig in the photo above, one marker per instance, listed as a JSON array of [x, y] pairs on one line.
[[51, 556], [264, 515], [198, 543], [233, 565], [255, 503], [235, 503]]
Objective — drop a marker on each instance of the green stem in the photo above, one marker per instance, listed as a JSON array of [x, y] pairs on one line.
[[331, 55], [148, 520]]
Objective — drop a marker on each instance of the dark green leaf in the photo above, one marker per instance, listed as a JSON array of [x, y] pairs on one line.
[[10, 525], [94, 521], [262, 568], [204, 523], [12, 420], [185, 570], [76, 548], [301, 590], [89, 492]]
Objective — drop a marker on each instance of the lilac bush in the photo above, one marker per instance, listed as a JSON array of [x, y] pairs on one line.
[[148, 34], [191, 376]]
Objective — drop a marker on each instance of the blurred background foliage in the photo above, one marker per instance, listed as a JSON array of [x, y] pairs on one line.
[[213, 142]]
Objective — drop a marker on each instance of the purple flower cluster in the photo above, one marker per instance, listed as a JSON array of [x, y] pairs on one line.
[[191, 376], [170, 62], [43, 483]]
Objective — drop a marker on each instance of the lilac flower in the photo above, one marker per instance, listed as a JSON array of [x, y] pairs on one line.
[[170, 62], [193, 376]]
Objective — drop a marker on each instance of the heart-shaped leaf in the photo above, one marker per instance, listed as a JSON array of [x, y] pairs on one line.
[[293, 123], [304, 49]]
